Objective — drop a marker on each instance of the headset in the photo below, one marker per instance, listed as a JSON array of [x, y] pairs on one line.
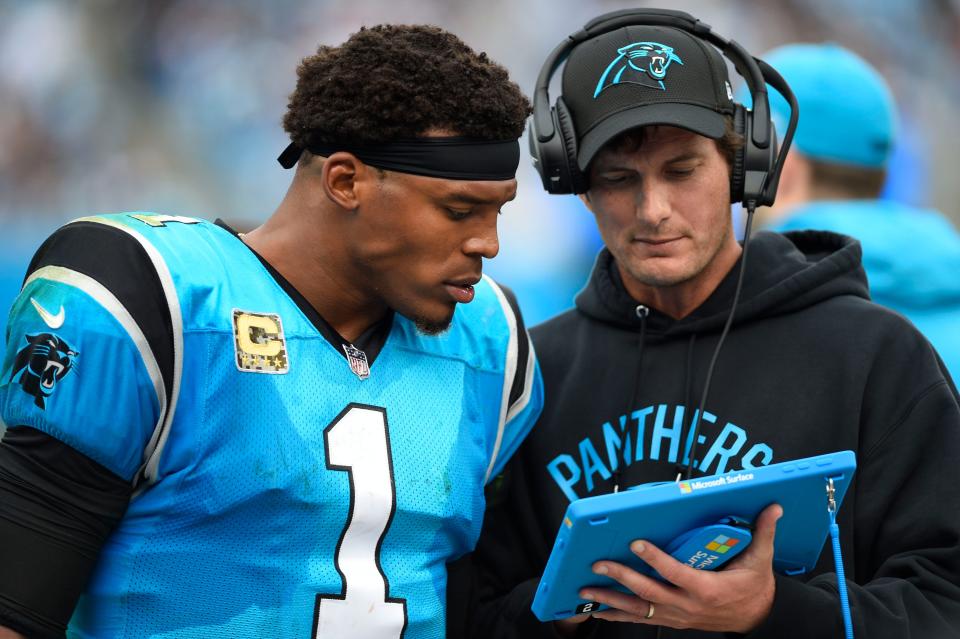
[[756, 168]]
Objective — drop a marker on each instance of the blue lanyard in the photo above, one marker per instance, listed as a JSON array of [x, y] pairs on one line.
[[838, 560]]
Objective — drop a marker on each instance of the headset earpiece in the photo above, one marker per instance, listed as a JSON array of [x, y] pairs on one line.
[[556, 157], [577, 181], [549, 157], [736, 170], [756, 167], [761, 174]]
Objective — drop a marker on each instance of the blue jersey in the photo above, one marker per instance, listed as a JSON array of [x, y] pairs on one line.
[[285, 486]]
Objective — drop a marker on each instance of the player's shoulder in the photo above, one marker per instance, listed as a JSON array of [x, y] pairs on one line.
[[169, 238], [153, 265], [179, 253], [484, 333], [119, 241], [494, 314], [492, 299], [104, 260], [134, 223]]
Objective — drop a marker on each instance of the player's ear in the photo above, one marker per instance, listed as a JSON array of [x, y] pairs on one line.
[[341, 175]]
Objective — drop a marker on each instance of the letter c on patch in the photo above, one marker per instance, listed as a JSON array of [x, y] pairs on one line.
[[247, 322]]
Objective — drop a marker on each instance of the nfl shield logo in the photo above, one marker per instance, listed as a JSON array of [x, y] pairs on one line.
[[358, 361]]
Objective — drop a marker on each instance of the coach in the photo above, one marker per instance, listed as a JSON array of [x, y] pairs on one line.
[[643, 381]]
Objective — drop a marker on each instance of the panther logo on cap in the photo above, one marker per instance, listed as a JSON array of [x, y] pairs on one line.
[[643, 63]]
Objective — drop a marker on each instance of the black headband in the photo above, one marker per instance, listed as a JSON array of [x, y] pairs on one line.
[[454, 158]]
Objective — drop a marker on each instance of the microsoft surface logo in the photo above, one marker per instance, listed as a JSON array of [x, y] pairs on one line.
[[721, 544]]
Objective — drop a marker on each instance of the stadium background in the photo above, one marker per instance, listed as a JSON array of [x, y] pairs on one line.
[[174, 106]]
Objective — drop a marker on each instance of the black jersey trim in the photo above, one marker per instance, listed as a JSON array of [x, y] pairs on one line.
[[371, 341], [523, 349], [119, 262], [57, 508], [514, 368]]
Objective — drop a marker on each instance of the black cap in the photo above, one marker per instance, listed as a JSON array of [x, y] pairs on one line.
[[643, 75]]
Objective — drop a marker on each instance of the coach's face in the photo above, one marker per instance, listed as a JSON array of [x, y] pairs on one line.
[[419, 242], [663, 210]]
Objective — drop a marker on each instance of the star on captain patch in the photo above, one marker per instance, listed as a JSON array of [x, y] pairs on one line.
[[259, 343]]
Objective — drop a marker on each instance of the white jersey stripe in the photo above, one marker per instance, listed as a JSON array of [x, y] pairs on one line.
[[524, 398], [509, 372], [153, 450]]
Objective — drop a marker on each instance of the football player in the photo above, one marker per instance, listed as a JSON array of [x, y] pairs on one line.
[[285, 433]]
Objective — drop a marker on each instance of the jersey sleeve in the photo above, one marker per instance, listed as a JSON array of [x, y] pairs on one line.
[[87, 347], [523, 386]]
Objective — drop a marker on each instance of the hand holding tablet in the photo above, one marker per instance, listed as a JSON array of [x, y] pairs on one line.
[[703, 523]]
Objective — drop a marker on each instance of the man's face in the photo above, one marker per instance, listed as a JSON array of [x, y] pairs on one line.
[[663, 209], [419, 242]]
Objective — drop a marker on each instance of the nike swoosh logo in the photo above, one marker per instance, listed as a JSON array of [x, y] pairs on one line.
[[51, 320]]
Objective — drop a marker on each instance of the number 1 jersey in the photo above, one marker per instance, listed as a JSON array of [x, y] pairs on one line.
[[285, 484]]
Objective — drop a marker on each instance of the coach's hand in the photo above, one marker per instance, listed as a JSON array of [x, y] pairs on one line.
[[735, 599], [564, 627]]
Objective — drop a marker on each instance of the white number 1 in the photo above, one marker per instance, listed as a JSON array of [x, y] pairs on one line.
[[357, 442]]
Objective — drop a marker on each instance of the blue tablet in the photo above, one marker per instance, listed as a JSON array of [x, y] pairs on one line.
[[703, 522]]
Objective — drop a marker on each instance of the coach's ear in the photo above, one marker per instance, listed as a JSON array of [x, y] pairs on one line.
[[585, 198], [341, 176]]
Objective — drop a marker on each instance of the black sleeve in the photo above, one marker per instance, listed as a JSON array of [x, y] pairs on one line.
[[907, 548], [57, 508], [905, 583]]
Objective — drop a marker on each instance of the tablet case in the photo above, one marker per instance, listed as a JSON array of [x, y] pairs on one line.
[[602, 527]]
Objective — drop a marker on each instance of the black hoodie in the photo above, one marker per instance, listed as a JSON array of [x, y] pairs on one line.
[[810, 366]]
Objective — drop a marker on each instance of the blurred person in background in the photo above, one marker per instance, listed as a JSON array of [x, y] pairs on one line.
[[832, 180], [283, 433], [153, 96], [645, 130]]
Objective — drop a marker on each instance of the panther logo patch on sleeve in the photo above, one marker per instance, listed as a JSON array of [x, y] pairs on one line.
[[45, 360]]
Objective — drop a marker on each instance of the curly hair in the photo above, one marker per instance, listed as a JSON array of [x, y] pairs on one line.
[[391, 82]]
